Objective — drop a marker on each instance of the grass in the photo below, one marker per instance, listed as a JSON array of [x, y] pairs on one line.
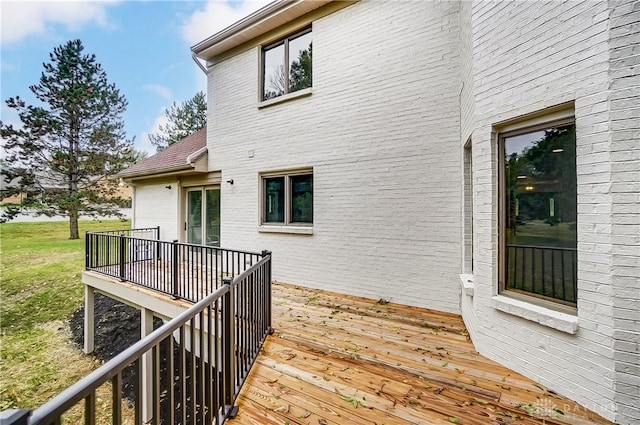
[[40, 289]]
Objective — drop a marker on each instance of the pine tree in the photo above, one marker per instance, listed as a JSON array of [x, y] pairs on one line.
[[300, 74], [183, 120], [71, 145]]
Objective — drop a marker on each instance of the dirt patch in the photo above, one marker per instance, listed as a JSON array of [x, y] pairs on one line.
[[117, 327]]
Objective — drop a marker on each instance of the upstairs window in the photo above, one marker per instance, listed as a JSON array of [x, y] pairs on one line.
[[538, 231], [286, 65]]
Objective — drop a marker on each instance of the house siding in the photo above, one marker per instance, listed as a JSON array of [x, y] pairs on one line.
[[155, 205], [399, 89], [467, 123], [528, 57], [384, 109], [624, 44]]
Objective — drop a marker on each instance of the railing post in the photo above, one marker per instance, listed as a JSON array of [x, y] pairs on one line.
[[86, 251], [268, 289], [146, 367], [228, 348], [174, 268], [89, 319], [122, 258], [158, 243]]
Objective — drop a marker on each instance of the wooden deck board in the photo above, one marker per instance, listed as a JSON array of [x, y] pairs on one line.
[[337, 359]]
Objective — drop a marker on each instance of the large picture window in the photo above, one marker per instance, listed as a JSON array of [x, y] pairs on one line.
[[538, 196], [287, 198], [286, 65]]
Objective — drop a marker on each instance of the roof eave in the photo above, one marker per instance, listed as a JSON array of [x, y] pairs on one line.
[[196, 164], [157, 172], [257, 23], [197, 167]]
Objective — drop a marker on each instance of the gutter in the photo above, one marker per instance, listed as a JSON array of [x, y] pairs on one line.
[[200, 65], [192, 158], [150, 173], [242, 24]]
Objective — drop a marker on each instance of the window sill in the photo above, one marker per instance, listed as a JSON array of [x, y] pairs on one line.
[[298, 230], [466, 282], [563, 322], [285, 98]]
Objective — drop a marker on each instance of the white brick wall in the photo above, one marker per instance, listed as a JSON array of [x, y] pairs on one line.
[[399, 88], [380, 131], [155, 205], [625, 192], [527, 57]]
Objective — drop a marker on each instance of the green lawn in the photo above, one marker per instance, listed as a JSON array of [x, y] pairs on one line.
[[40, 288]]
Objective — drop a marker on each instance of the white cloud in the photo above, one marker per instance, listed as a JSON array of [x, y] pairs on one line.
[[8, 66], [8, 116], [142, 142], [161, 91], [217, 15], [21, 19]]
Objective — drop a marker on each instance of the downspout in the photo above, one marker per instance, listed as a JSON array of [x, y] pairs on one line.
[[200, 65]]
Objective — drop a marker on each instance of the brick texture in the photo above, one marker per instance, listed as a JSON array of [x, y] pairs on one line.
[[399, 88], [528, 57], [624, 121], [155, 205], [380, 131]]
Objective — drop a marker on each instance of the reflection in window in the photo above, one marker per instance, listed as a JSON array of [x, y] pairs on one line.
[[194, 218], [302, 199], [274, 200], [203, 220], [287, 198], [286, 65], [273, 72], [300, 50], [212, 216], [540, 213]]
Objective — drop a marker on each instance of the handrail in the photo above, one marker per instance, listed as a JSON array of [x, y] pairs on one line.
[[181, 270], [220, 337], [81, 389], [251, 269]]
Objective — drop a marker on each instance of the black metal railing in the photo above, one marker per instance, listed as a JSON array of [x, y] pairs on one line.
[[549, 272], [181, 270], [210, 348], [145, 232]]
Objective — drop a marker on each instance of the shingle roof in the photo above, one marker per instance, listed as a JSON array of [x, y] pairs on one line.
[[175, 157]]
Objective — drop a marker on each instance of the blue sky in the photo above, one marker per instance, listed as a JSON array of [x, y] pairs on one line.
[[144, 47]]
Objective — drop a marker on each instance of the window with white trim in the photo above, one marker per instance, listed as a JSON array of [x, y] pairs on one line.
[[287, 198], [287, 65]]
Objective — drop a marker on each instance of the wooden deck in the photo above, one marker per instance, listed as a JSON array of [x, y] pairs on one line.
[[336, 359]]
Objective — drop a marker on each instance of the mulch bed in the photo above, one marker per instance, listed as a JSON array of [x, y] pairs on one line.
[[117, 327]]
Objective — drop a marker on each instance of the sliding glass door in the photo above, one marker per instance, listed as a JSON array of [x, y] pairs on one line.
[[203, 216]]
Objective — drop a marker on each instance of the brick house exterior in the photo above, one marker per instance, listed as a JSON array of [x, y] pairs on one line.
[[400, 132]]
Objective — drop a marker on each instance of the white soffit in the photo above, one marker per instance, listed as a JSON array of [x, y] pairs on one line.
[[266, 19]]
